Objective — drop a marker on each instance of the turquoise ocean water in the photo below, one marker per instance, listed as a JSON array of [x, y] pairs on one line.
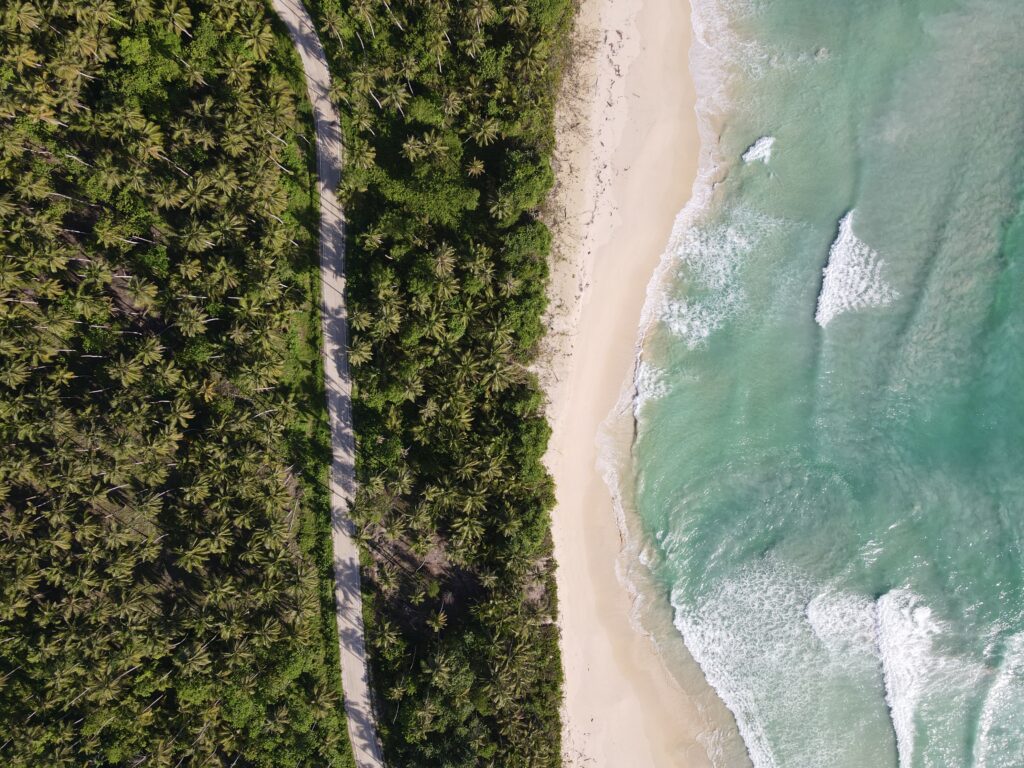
[[829, 460]]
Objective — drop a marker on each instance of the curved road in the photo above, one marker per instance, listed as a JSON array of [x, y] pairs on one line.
[[362, 726]]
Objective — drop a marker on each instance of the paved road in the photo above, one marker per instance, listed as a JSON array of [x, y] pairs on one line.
[[362, 726]]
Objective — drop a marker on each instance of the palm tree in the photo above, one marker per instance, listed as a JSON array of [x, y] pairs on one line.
[[200, 192], [237, 69], [191, 321], [23, 57], [517, 12], [167, 194], [141, 10], [360, 353], [475, 168], [414, 149], [179, 14], [474, 44], [394, 94], [24, 16], [486, 131], [363, 10], [261, 42], [481, 13]]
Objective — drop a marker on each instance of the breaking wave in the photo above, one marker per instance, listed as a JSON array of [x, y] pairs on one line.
[[852, 277], [760, 150]]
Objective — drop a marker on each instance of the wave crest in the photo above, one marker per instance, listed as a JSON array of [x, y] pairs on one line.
[[760, 150], [852, 277]]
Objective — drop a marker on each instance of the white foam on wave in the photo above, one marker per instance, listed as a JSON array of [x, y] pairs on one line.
[[852, 277], [715, 28], [787, 654], [760, 150], [934, 678], [727, 631], [721, 57], [707, 256], [765, 637], [844, 623], [695, 322], [805, 668], [650, 385], [1000, 743], [906, 629]]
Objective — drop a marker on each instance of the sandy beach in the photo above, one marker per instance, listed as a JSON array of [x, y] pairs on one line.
[[626, 161]]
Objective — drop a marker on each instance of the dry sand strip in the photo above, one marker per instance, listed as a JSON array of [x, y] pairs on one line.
[[362, 724], [627, 155]]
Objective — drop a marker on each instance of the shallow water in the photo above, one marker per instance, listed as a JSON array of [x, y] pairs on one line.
[[829, 461]]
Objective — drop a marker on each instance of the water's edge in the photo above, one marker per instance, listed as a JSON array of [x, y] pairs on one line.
[[652, 613]]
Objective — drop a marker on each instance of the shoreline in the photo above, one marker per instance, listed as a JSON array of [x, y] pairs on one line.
[[627, 158]]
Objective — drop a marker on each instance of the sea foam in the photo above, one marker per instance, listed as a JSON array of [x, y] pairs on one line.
[[708, 255], [852, 277], [760, 150], [844, 623], [764, 638], [650, 385], [876, 664], [717, 28], [1000, 742], [906, 630], [757, 633], [929, 688]]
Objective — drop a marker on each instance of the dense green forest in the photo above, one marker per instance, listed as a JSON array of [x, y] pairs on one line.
[[165, 585], [164, 525], [447, 112]]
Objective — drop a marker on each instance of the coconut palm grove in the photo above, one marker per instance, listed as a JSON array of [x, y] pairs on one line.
[[166, 589]]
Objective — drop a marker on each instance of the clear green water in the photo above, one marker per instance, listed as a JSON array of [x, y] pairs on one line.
[[830, 468]]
